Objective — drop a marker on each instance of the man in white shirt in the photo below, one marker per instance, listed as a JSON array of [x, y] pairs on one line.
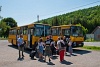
[[20, 47]]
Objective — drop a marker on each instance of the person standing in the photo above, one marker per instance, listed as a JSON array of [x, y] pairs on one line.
[[65, 41], [47, 49], [60, 45], [52, 45], [40, 48], [70, 47], [21, 46]]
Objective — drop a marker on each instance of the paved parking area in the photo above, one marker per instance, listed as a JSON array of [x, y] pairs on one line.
[[92, 44], [80, 58]]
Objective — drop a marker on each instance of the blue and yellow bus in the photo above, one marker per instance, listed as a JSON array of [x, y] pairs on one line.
[[31, 33], [74, 32]]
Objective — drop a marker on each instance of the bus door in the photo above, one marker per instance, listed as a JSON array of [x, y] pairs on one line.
[[17, 35], [30, 31]]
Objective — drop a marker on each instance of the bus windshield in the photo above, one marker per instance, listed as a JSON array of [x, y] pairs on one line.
[[66, 32], [76, 31], [42, 31], [38, 32]]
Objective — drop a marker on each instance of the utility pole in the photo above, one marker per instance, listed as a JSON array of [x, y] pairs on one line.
[[38, 18], [0, 8], [0, 11]]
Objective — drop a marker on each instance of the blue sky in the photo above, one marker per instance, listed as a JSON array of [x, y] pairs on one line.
[[26, 11]]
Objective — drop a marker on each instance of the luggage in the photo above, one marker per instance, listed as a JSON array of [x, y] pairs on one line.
[[32, 54]]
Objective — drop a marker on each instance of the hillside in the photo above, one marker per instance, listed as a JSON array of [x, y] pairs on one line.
[[89, 18]]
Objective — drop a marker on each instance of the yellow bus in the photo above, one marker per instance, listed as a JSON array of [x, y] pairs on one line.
[[31, 33], [13, 34], [73, 32]]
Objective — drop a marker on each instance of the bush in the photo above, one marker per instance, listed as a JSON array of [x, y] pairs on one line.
[[91, 47], [89, 40]]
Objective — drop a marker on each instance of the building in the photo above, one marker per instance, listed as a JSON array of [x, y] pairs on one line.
[[96, 33]]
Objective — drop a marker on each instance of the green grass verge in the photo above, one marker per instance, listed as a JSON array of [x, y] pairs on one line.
[[91, 40], [91, 47], [3, 38]]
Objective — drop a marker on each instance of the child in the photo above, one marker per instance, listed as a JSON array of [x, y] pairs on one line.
[[40, 48]]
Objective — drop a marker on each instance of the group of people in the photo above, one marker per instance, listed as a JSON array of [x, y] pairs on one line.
[[45, 48], [63, 44], [49, 47]]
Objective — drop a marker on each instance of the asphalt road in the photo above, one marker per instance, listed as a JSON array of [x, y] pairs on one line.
[[92, 43], [80, 58]]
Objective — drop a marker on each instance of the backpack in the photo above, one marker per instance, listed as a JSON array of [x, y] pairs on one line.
[[62, 45]]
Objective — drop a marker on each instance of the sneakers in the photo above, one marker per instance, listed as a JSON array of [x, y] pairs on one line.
[[45, 60]]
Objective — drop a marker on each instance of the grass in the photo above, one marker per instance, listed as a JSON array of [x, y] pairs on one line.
[[91, 40], [3, 38], [92, 48]]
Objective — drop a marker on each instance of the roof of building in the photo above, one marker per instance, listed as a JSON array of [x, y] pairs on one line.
[[98, 27]]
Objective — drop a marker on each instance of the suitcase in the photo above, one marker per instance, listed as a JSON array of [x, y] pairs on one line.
[[32, 54]]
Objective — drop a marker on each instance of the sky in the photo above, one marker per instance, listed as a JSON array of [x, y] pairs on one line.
[[25, 12]]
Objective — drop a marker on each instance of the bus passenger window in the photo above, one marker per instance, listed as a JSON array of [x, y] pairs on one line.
[[54, 32]]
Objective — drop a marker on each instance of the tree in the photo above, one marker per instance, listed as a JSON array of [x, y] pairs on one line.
[[4, 29], [89, 18], [5, 25], [10, 22], [55, 21]]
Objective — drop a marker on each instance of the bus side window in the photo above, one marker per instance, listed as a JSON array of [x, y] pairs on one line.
[[31, 31]]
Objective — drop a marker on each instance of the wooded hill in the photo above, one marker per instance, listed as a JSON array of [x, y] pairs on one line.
[[89, 18]]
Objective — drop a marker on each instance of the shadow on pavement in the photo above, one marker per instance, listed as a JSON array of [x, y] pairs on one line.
[[71, 55], [54, 57], [75, 51], [15, 47], [20, 59], [66, 62], [81, 51], [50, 63], [41, 60]]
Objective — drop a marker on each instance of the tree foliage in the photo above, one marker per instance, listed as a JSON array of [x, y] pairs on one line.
[[4, 29], [10, 22], [89, 18], [85, 30], [5, 25]]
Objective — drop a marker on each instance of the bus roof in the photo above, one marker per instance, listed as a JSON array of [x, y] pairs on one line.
[[15, 28], [63, 26], [55, 26], [31, 25]]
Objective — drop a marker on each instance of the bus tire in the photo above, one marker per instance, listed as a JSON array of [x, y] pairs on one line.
[[82, 44]]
